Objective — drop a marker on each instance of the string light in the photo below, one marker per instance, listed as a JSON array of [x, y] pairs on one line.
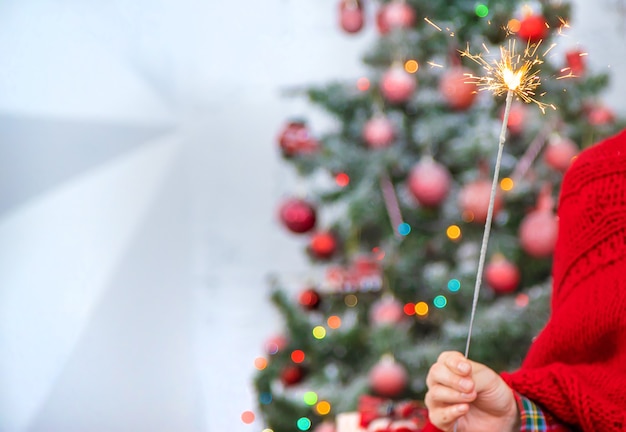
[[404, 229], [421, 309], [363, 84], [247, 417], [351, 300], [310, 398], [507, 184], [265, 398], [319, 332], [342, 179], [440, 302], [453, 232], [260, 363], [482, 10], [454, 285], [297, 356], [303, 424], [334, 322], [411, 66], [409, 309], [323, 407]]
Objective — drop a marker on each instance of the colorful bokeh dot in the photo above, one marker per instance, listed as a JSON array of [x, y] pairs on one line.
[[411, 66], [303, 424], [260, 363], [334, 322], [267, 430], [342, 179], [454, 285], [482, 10], [323, 407], [440, 301], [421, 309], [247, 417], [265, 398], [514, 25], [453, 232], [319, 332], [409, 309], [297, 356], [507, 184], [351, 300], [363, 84], [404, 229], [310, 398], [522, 300]]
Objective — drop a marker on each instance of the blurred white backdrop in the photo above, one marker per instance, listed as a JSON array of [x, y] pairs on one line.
[[139, 178]]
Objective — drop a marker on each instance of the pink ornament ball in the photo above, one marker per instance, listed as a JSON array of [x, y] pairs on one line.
[[517, 118], [379, 132], [429, 182], [397, 85], [351, 16], [456, 91], [388, 378], [502, 275], [297, 215], [474, 201], [538, 233], [560, 153], [386, 311], [398, 14]]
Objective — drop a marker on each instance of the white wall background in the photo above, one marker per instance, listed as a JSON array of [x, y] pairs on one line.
[[139, 179]]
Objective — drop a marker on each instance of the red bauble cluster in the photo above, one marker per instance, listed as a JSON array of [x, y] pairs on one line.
[[502, 275], [322, 245], [291, 375], [387, 311], [456, 91], [395, 15], [429, 182], [533, 28], [560, 153], [397, 85], [388, 378], [474, 201], [351, 16], [297, 215], [309, 299], [379, 132], [295, 139]]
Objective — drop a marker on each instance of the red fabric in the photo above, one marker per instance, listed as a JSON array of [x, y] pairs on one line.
[[576, 368]]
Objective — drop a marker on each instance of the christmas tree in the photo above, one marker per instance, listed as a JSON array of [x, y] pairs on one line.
[[397, 201]]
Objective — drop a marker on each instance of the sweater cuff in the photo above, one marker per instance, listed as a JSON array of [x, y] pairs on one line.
[[431, 428]]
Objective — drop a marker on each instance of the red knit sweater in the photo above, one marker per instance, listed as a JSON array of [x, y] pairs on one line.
[[576, 368]]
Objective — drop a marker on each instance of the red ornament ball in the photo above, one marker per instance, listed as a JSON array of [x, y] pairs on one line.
[[560, 153], [291, 375], [388, 378], [351, 16], [502, 275], [517, 118], [538, 233], [387, 311], [429, 182], [600, 115], [533, 28], [397, 85], [309, 299], [323, 245], [474, 201], [397, 15], [295, 139], [379, 132], [456, 91], [297, 215]]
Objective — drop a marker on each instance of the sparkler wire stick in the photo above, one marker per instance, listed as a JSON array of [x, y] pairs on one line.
[[492, 199]]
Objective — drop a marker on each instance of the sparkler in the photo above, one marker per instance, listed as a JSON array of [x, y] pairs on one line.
[[513, 74]]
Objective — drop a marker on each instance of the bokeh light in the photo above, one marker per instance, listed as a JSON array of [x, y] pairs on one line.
[[342, 179], [351, 300], [247, 417], [507, 184], [440, 301], [421, 309], [404, 229], [379, 254], [260, 363], [323, 407], [468, 216], [522, 300], [453, 232], [514, 25], [319, 332], [411, 66], [454, 285], [267, 430], [482, 10], [334, 322], [304, 424], [363, 84], [297, 356], [310, 398], [409, 309], [265, 398]]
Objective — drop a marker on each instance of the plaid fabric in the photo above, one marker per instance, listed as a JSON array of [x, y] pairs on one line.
[[534, 419]]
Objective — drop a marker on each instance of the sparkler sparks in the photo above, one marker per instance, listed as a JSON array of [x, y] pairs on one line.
[[513, 71]]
